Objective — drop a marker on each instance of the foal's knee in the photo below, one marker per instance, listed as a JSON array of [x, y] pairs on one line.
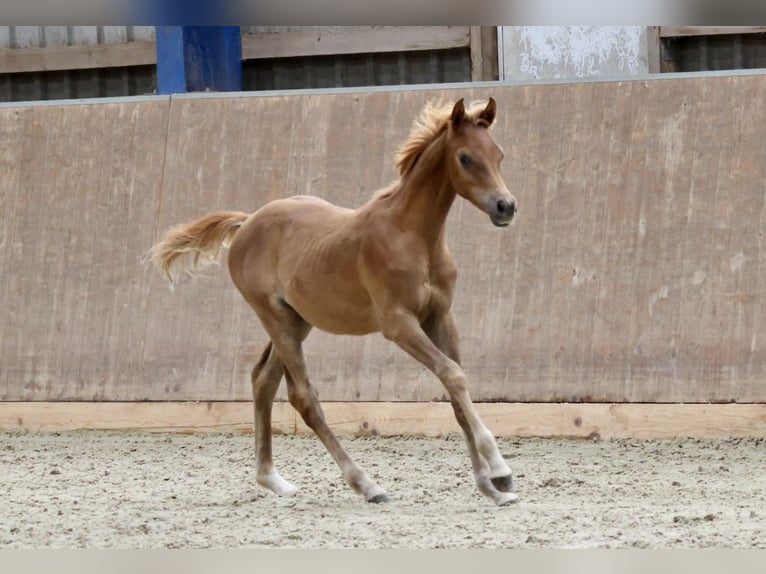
[[261, 362], [263, 383], [453, 378], [259, 392], [258, 376], [305, 401]]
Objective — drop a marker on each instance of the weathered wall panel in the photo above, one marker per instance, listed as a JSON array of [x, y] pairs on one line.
[[351, 70], [634, 273], [559, 52], [78, 210]]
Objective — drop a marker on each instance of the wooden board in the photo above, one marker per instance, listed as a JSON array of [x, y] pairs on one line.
[[635, 271], [631, 274], [77, 57], [591, 421], [676, 31], [333, 40], [484, 54], [329, 40], [79, 211]]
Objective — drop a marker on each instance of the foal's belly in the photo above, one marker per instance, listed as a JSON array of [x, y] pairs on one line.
[[323, 309]]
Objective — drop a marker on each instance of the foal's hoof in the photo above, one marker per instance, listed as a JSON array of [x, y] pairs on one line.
[[276, 484], [503, 483], [379, 498], [506, 498]]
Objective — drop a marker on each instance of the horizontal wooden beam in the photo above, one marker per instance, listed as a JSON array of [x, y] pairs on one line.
[[14, 60], [339, 40], [678, 31], [296, 43], [606, 421]]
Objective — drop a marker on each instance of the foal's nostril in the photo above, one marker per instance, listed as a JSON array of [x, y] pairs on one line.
[[506, 208]]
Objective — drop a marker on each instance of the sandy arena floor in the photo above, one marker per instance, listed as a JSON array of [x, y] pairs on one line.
[[135, 490]]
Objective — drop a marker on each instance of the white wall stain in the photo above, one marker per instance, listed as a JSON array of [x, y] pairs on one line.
[[654, 297], [642, 226], [736, 262], [698, 277], [558, 52], [673, 134], [580, 276]]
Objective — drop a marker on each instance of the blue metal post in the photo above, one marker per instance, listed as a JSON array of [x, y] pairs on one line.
[[198, 58], [171, 73]]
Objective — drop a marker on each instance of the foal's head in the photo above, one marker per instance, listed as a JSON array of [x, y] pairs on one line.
[[473, 162], [471, 157]]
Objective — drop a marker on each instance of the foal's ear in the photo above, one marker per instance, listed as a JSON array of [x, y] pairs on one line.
[[488, 115], [458, 113]]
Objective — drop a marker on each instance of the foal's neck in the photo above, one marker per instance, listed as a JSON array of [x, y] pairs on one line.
[[425, 195]]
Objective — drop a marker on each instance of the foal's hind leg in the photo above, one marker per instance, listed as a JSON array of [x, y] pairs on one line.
[[265, 377], [283, 325]]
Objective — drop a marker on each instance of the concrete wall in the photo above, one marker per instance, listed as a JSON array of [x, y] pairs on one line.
[[572, 52], [635, 271]]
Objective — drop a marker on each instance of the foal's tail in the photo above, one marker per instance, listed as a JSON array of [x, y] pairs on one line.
[[202, 238]]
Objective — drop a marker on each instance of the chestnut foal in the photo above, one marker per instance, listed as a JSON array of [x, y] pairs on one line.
[[302, 262]]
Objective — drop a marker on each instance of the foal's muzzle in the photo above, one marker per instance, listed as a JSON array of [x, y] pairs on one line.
[[502, 211]]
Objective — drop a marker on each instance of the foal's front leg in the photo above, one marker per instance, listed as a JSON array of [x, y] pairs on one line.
[[442, 331], [403, 328]]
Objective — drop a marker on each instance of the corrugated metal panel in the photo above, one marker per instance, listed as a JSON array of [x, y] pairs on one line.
[[708, 53], [440, 66], [436, 66], [98, 83], [50, 36], [56, 85]]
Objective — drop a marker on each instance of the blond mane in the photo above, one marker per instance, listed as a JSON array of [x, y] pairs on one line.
[[431, 123]]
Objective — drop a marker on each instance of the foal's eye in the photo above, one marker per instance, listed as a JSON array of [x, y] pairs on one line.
[[465, 161]]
